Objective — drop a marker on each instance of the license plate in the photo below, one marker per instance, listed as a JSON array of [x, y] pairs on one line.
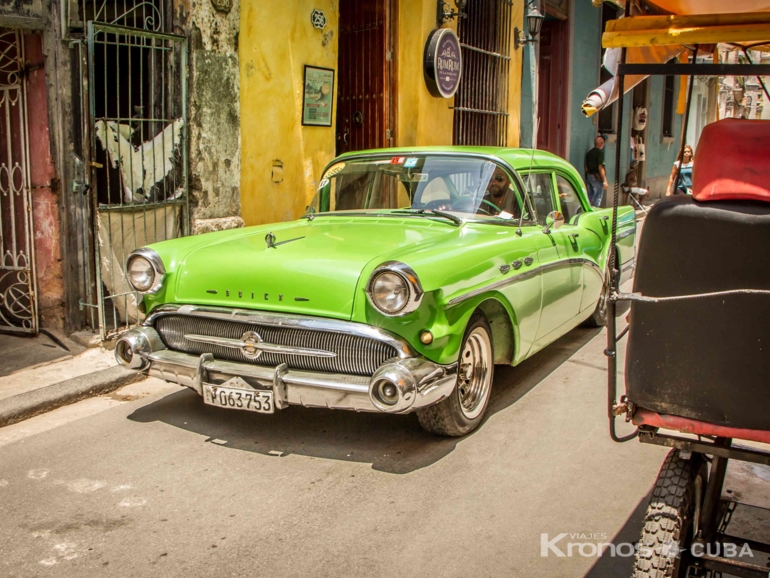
[[260, 401]]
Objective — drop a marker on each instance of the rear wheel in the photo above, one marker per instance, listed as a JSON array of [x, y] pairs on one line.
[[664, 548], [463, 410], [599, 316]]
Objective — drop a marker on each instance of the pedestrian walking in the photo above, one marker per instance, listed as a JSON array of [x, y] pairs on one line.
[[596, 176], [684, 185]]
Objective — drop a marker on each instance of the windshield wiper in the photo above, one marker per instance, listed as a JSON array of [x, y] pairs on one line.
[[456, 220]]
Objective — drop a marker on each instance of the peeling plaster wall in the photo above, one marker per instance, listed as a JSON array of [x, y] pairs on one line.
[[45, 194], [422, 119], [277, 40], [282, 160], [214, 111], [22, 8]]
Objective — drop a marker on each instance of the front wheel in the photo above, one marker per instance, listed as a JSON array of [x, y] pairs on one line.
[[463, 410], [664, 548]]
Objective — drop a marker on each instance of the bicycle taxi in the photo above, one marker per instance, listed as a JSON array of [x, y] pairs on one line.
[[697, 368]]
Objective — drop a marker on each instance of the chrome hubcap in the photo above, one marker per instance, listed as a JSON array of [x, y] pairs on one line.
[[475, 379]]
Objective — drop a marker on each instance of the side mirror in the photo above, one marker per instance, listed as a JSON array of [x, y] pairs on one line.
[[554, 220]]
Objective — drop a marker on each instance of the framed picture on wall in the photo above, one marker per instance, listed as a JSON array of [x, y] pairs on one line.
[[318, 96]]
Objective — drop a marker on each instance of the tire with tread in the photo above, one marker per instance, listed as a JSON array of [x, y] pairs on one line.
[[668, 520], [599, 316], [446, 417]]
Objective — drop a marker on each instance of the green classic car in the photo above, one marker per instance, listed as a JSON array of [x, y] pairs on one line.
[[412, 274]]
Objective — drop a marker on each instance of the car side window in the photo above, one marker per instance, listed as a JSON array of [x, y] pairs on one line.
[[540, 190], [568, 198]]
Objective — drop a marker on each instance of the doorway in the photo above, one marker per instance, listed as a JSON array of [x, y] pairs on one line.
[[366, 95], [18, 303], [552, 93]]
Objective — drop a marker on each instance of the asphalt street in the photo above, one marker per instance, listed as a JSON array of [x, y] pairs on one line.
[[150, 481]]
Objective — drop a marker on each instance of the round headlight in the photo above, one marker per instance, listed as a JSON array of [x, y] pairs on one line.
[[141, 273], [390, 293]]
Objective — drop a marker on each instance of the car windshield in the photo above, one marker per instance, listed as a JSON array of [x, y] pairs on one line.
[[460, 186]]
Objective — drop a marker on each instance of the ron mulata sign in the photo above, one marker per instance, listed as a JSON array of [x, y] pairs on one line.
[[443, 63]]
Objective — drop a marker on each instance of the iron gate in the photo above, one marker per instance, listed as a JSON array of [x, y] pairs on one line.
[[18, 303], [137, 92]]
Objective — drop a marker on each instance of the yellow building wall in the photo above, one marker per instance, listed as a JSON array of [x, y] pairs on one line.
[[421, 119], [276, 41], [514, 88]]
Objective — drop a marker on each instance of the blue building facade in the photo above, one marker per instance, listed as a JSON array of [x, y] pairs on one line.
[[584, 55]]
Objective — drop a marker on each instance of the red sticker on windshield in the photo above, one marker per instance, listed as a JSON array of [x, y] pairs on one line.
[[397, 160]]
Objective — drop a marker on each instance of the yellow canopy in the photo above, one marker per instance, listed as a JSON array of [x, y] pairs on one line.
[[678, 23]]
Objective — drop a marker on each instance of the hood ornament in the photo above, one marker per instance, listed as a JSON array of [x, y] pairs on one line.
[[271, 244]]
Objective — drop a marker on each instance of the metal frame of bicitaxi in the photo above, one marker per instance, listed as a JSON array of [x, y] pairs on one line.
[[720, 448]]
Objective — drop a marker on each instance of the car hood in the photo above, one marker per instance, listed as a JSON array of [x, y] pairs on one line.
[[314, 267]]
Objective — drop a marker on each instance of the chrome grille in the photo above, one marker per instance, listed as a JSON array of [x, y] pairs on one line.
[[356, 355]]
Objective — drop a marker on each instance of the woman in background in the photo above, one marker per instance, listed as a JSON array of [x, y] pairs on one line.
[[684, 186]]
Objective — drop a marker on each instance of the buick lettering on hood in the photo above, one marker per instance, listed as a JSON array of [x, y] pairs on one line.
[[413, 272]]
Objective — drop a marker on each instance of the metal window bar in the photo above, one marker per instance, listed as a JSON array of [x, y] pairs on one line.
[[139, 14], [481, 102], [138, 146], [18, 301]]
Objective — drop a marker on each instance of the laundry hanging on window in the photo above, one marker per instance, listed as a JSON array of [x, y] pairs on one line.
[[141, 167]]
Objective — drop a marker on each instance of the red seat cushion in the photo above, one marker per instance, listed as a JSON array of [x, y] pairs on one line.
[[733, 161]]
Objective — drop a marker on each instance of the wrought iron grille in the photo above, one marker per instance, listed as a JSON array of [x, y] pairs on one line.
[[138, 137], [138, 14], [18, 306], [481, 101]]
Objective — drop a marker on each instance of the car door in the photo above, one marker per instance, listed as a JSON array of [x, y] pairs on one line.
[[562, 278], [583, 243]]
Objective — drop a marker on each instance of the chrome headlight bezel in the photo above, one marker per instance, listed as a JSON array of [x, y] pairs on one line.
[[411, 280], [157, 266]]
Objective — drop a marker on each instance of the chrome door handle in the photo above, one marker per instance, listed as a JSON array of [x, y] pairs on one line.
[[605, 218], [573, 236]]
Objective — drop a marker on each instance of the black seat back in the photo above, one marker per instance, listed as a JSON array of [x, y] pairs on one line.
[[708, 358]]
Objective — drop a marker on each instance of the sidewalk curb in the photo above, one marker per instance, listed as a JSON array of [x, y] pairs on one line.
[[25, 405]]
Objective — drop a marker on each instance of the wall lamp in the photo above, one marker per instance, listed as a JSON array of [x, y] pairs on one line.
[[444, 14], [534, 22]]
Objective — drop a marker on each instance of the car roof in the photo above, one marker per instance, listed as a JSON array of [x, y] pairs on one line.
[[519, 158]]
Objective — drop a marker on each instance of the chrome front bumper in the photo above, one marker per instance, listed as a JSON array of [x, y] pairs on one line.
[[418, 382]]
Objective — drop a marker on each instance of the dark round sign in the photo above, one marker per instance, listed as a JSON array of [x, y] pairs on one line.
[[442, 63]]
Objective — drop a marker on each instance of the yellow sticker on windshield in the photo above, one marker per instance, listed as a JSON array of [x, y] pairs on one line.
[[334, 169]]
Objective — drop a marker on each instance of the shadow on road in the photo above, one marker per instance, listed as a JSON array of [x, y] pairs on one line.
[[391, 443], [622, 564]]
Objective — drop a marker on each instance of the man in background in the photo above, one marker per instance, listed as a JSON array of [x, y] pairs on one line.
[[596, 176]]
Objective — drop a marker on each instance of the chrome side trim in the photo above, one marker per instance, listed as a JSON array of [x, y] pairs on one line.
[[526, 275], [285, 320], [625, 234], [409, 276], [496, 285], [591, 265]]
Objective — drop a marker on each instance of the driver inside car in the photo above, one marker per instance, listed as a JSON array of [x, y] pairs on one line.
[[498, 193]]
